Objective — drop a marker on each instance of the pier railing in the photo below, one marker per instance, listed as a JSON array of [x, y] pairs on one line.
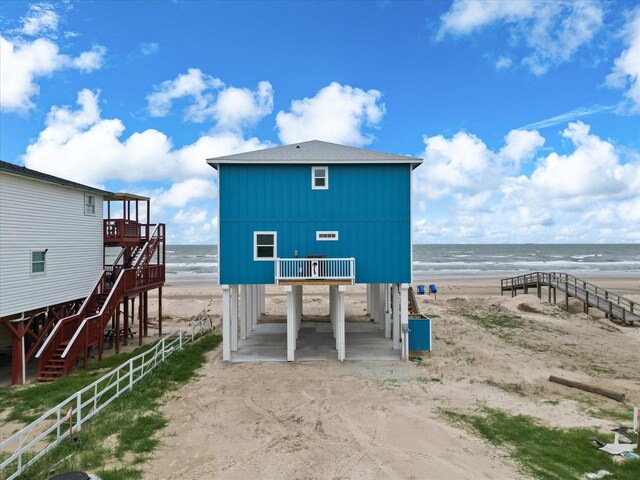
[[303, 269], [613, 304]]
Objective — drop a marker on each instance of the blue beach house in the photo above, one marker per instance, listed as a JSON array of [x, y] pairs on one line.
[[314, 213]]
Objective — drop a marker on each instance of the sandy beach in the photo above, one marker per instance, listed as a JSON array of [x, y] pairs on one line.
[[357, 420]]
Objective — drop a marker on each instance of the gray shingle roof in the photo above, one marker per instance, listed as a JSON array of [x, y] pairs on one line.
[[13, 169], [314, 151]]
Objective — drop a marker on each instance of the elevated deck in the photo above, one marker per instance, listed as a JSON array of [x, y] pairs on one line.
[[614, 306]]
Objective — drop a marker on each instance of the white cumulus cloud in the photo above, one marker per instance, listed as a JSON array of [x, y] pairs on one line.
[[551, 30], [465, 164], [466, 191], [626, 71], [22, 63], [337, 113], [232, 108], [80, 145], [41, 18]]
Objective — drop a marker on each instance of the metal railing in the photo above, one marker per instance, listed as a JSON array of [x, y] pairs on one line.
[[32, 442], [601, 298], [315, 269]]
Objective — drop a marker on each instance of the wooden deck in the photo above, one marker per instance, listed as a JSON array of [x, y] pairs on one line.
[[615, 307]]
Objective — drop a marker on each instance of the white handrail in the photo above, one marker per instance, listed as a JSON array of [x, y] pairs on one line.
[[118, 381], [146, 244], [57, 325], [314, 268], [104, 306]]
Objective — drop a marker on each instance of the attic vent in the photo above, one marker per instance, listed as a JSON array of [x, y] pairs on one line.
[[297, 146], [326, 236]]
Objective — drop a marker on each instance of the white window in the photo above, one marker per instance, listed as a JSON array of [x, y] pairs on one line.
[[265, 245], [320, 178], [89, 205], [327, 236], [38, 262]]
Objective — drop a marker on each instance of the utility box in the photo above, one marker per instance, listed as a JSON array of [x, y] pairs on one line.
[[419, 334]]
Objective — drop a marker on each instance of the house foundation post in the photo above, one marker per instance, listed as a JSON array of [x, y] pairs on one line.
[[256, 311], [226, 324], [381, 309], [291, 314], [332, 309], [395, 292], [117, 329], [341, 323], [298, 309], [404, 319], [387, 311], [17, 352], [146, 313], [263, 303], [140, 315], [243, 312], [125, 304], [233, 298], [160, 312], [368, 299]]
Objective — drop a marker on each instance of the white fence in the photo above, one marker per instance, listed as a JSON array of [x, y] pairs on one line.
[[54, 426], [315, 268]]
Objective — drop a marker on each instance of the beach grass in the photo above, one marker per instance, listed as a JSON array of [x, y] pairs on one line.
[[509, 329], [545, 452], [116, 443], [26, 403]]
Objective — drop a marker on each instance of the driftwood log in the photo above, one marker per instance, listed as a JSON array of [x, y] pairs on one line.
[[588, 388]]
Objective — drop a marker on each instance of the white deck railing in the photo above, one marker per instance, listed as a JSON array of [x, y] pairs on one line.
[[315, 269], [33, 441]]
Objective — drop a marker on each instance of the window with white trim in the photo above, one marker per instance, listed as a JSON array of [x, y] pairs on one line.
[[320, 178], [38, 262], [89, 205], [327, 236], [265, 245]]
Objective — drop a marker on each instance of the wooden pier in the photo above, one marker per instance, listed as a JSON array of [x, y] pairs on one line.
[[615, 307]]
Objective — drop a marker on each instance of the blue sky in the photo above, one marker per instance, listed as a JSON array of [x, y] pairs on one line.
[[527, 113]]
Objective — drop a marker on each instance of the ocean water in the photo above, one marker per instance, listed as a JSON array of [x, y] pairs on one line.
[[200, 262]]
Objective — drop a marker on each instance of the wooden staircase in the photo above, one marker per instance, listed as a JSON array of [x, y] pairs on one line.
[[73, 336], [54, 368]]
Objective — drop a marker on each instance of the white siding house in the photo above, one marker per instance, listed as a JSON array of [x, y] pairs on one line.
[[51, 239]]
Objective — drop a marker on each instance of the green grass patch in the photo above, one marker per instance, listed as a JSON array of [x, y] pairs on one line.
[[119, 439], [26, 403], [511, 387], [511, 329], [623, 414], [544, 452]]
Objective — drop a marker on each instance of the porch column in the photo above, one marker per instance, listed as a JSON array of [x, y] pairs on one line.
[[291, 314], [404, 319], [233, 298], [243, 312], [341, 323], [226, 324], [387, 311], [396, 315]]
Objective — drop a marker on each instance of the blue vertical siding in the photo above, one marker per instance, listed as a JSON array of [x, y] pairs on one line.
[[369, 205]]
